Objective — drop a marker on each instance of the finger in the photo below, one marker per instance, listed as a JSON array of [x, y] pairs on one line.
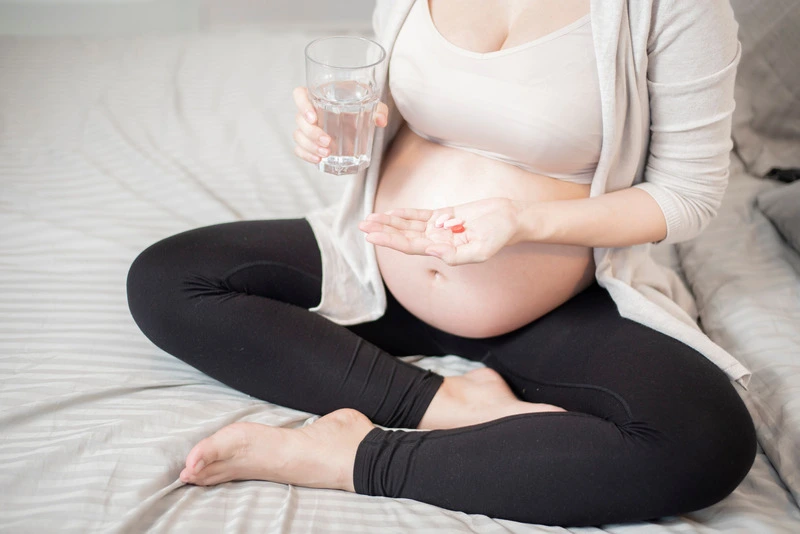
[[314, 133], [308, 145], [399, 242], [399, 222], [304, 105], [302, 153], [377, 228], [374, 226], [382, 115], [412, 214]]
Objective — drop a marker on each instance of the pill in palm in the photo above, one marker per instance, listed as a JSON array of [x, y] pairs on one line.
[[457, 229], [453, 222], [440, 221]]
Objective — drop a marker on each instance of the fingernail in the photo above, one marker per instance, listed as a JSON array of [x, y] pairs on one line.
[[199, 466], [323, 151], [310, 117], [324, 140]]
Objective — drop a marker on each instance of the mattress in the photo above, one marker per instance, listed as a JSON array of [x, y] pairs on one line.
[[107, 145]]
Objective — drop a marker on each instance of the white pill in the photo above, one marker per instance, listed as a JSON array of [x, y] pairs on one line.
[[453, 222], [440, 221]]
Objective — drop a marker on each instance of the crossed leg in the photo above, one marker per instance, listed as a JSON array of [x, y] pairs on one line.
[[322, 454], [653, 428]]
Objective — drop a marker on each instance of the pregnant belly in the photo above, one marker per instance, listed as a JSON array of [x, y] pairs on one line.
[[517, 285]]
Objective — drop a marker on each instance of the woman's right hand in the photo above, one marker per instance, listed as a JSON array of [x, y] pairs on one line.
[[312, 141]]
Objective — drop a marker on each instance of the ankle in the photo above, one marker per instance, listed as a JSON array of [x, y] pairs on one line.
[[448, 399]]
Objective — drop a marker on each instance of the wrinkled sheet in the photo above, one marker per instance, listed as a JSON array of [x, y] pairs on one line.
[[107, 145], [746, 282]]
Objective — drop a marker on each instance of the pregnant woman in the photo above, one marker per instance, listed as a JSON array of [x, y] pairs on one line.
[[566, 136]]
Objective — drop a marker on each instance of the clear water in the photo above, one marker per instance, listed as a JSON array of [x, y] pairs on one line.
[[345, 110]]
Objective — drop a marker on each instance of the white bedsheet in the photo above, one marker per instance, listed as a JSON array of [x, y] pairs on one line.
[[107, 145], [746, 281]]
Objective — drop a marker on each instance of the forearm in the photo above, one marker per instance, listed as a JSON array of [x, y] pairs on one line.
[[619, 219]]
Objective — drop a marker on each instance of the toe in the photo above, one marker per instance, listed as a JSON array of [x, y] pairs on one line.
[[216, 473], [201, 455], [185, 475], [222, 445]]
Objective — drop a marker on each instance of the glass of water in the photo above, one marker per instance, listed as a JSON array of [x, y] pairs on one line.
[[341, 75]]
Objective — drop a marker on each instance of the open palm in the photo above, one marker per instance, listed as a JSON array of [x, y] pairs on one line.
[[490, 224]]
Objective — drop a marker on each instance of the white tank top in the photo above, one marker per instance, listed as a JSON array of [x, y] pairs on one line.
[[536, 105]]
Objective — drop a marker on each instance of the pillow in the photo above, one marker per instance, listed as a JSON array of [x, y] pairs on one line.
[[766, 122], [781, 205]]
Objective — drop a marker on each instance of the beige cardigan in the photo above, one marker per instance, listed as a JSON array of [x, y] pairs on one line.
[[666, 71]]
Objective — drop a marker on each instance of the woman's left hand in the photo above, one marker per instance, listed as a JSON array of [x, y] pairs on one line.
[[489, 225]]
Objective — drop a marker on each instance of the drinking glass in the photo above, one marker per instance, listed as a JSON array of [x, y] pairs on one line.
[[341, 75]]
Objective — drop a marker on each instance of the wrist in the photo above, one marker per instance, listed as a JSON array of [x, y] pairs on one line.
[[517, 209], [532, 222]]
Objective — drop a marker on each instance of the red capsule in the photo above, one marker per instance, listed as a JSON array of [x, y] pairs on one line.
[[457, 229]]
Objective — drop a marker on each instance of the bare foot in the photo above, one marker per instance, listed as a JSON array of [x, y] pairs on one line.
[[320, 455], [476, 397]]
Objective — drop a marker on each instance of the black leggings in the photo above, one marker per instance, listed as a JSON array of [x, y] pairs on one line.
[[653, 427]]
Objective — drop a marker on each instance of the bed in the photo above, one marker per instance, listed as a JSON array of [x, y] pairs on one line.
[[109, 144]]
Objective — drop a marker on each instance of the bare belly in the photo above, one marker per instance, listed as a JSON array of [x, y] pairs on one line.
[[516, 286]]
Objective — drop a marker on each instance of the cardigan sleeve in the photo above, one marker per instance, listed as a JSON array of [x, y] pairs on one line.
[[693, 52]]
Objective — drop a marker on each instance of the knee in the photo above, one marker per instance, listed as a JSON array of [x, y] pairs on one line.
[[736, 445], [715, 449], [153, 280]]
